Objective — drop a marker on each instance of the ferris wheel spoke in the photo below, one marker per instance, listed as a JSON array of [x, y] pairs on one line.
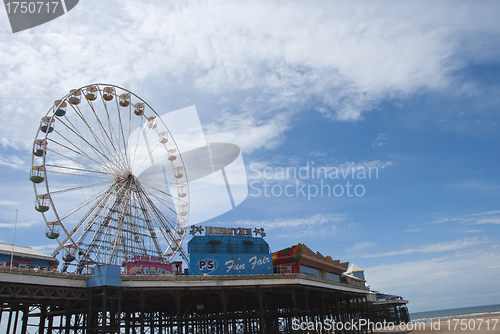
[[121, 161], [96, 243], [136, 156], [79, 169], [76, 151], [166, 194], [163, 201], [162, 222], [140, 214], [79, 162], [146, 198], [121, 128], [140, 126], [110, 122], [148, 155], [100, 125], [88, 225], [148, 218], [74, 129], [80, 175], [99, 237], [143, 175], [79, 135], [144, 179], [57, 192], [120, 227], [171, 224], [160, 187], [148, 150], [104, 103], [97, 198], [96, 137]]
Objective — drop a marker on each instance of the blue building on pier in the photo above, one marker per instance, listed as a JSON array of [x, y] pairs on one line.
[[229, 251], [25, 258]]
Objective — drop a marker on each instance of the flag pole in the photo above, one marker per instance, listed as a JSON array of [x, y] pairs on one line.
[[13, 241]]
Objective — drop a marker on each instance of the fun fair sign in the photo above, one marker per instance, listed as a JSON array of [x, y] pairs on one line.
[[229, 264]]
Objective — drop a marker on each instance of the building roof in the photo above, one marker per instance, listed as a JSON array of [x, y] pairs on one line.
[[303, 254], [22, 251], [354, 269]]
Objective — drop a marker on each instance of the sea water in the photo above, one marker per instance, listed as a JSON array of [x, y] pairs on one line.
[[455, 312]]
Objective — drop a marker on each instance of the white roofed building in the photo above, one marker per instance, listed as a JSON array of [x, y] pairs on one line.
[[25, 258], [355, 275]]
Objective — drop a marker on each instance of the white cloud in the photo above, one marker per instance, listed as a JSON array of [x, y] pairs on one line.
[[492, 220], [20, 224], [294, 168], [321, 154], [47, 249], [450, 281], [247, 131], [315, 226], [441, 221], [438, 247], [474, 185], [360, 246], [314, 220], [381, 139], [487, 213], [8, 203], [487, 217], [417, 229], [346, 57], [14, 162]]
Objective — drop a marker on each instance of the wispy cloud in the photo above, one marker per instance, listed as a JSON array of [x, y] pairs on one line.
[[438, 247], [8, 202], [317, 225], [360, 246], [20, 224], [381, 139], [474, 185], [486, 213], [14, 162], [487, 217], [417, 229], [47, 249], [321, 154], [444, 281], [248, 131], [491, 220], [473, 231], [314, 220], [292, 169], [443, 220], [279, 57]]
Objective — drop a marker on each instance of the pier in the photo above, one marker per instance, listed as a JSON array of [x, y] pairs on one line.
[[46, 302]]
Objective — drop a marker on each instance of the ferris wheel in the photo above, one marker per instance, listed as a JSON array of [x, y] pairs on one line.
[[109, 179]]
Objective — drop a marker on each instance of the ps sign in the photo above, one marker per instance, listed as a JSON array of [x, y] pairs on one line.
[[207, 265]]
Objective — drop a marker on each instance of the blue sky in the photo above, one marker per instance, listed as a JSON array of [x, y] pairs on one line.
[[409, 89]]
